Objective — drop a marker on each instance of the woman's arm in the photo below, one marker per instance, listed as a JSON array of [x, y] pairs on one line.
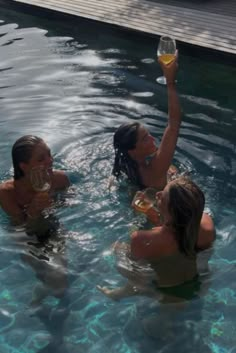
[[9, 205], [39, 202], [60, 180], [18, 215], [206, 235], [168, 143]]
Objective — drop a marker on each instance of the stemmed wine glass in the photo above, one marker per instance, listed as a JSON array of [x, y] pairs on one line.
[[41, 182], [141, 202], [144, 200], [166, 51], [40, 179]]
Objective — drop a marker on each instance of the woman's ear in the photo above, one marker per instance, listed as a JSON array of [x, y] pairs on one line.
[[24, 167]]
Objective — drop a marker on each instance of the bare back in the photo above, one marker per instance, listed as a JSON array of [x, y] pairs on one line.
[[159, 247]]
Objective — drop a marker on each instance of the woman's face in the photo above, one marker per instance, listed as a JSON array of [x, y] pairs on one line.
[[145, 144], [41, 156]]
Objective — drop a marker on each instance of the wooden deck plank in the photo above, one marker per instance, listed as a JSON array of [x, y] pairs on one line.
[[188, 25], [225, 7], [142, 23], [162, 20]]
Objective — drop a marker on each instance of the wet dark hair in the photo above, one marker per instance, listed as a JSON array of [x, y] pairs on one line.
[[125, 139], [22, 152], [186, 205]]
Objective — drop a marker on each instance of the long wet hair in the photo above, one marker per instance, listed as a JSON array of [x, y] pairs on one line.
[[185, 205], [125, 139], [22, 152]]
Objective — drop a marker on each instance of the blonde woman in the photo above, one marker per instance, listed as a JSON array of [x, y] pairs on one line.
[[171, 248]]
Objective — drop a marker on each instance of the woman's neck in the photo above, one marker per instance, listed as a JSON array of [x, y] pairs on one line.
[[167, 223]]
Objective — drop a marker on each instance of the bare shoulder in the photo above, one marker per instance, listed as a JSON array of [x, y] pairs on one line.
[[6, 188], [60, 180], [146, 234], [207, 222], [151, 243], [206, 232], [8, 200], [7, 193]]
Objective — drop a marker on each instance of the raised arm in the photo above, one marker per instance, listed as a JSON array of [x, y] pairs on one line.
[[167, 146]]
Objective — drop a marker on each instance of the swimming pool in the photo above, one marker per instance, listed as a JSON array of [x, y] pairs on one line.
[[72, 84]]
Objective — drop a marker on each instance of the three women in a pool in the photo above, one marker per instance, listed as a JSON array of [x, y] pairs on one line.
[[185, 227]]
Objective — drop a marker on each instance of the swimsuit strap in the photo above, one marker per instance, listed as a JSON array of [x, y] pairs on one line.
[[149, 158]]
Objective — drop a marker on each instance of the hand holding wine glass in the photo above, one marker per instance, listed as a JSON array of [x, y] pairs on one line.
[[41, 182], [141, 202], [145, 202], [166, 53], [40, 179]]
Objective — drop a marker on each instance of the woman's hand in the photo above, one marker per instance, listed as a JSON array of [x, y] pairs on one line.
[[40, 202], [154, 216], [149, 210], [172, 173], [170, 70]]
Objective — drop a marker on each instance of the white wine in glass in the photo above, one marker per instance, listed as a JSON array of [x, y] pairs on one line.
[[166, 51], [40, 179]]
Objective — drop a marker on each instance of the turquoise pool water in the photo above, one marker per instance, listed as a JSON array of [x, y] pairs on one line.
[[72, 84]]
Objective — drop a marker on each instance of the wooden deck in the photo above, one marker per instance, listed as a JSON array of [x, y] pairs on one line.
[[210, 24]]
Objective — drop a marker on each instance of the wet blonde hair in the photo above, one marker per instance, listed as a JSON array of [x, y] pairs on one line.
[[185, 204], [22, 151]]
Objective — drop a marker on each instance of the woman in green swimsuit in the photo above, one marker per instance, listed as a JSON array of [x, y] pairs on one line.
[[171, 248]]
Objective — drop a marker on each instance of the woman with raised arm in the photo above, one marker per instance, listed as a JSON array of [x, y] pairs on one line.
[[136, 153], [171, 248]]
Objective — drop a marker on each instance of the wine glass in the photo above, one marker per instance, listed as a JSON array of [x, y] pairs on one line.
[[141, 203], [144, 200], [40, 179], [166, 53]]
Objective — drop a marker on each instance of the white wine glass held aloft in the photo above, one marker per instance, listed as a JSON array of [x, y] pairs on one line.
[[166, 51], [40, 179]]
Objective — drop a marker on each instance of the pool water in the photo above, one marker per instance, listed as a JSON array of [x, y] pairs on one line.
[[72, 83]]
